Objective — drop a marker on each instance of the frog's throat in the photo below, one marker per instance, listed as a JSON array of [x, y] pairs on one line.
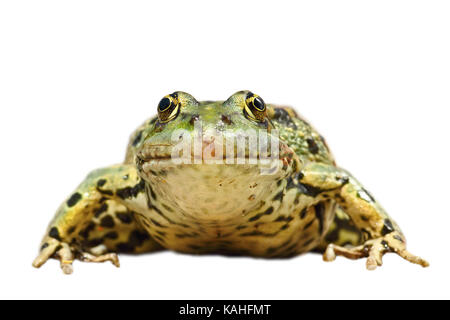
[[211, 192], [205, 189]]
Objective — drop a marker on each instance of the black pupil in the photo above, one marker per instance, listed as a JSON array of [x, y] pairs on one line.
[[259, 104], [164, 104]]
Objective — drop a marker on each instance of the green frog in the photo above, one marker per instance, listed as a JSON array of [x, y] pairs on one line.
[[193, 181]]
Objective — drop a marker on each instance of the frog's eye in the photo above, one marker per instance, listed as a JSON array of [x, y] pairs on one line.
[[255, 108], [168, 108]]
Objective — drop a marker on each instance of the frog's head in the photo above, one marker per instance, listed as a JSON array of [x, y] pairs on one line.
[[215, 148]]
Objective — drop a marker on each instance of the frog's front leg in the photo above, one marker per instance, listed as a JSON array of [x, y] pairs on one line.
[[381, 232], [97, 220]]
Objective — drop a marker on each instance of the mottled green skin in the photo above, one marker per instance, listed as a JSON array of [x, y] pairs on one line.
[[148, 203]]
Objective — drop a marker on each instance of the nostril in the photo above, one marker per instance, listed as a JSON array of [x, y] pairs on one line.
[[194, 118], [226, 119]]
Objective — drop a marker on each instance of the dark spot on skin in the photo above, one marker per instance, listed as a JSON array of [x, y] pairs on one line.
[[309, 224], [94, 242], [106, 192], [71, 230], [240, 227], [279, 196], [152, 207], [124, 247], [101, 183], [309, 190], [85, 233], [320, 215], [99, 211], [364, 218], [137, 139], [343, 180], [290, 182], [131, 192], [256, 217], [365, 234], [283, 117], [269, 210], [45, 245], [54, 233], [73, 200], [387, 228], [112, 235], [152, 193], [283, 219], [161, 233], [226, 119], [194, 118], [385, 245], [156, 223], [137, 238], [124, 217], [259, 233], [165, 206], [107, 222], [146, 223], [312, 146], [303, 213]]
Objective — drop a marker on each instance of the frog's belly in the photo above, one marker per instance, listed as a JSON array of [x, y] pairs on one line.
[[265, 234]]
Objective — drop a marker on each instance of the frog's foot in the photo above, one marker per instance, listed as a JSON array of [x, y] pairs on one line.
[[374, 250], [66, 255]]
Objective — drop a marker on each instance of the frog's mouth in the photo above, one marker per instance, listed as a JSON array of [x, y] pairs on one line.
[[166, 156]]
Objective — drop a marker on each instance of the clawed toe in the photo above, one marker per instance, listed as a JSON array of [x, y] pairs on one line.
[[66, 255], [87, 257], [374, 250]]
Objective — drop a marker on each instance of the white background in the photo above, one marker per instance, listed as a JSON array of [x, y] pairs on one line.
[[77, 77]]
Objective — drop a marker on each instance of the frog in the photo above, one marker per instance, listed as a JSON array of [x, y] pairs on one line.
[[226, 203]]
